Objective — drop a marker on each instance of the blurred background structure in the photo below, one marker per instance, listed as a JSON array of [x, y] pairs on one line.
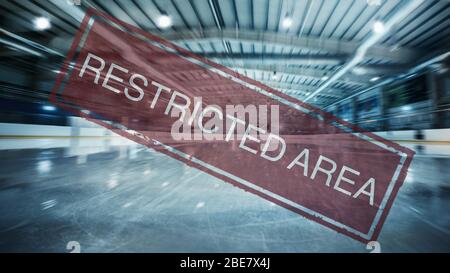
[[381, 64]]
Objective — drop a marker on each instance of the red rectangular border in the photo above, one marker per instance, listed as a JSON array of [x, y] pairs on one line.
[[327, 116]]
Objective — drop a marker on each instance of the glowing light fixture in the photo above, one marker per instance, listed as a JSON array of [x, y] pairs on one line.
[[42, 23], [406, 108], [374, 79], [378, 27], [48, 108], [164, 21], [287, 22]]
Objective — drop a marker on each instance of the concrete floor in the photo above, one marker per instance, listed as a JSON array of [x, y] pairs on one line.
[[138, 200]]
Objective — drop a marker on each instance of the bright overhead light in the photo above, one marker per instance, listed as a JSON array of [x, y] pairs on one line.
[[164, 21], [378, 27], [49, 108], [406, 108], [374, 79], [42, 23], [324, 78], [287, 22]]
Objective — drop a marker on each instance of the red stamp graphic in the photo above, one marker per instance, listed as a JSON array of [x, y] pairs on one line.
[[169, 99]]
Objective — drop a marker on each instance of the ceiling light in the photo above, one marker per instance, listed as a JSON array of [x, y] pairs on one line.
[[406, 108], [324, 78], [378, 27], [287, 22], [49, 108], [42, 23], [164, 21], [374, 79]]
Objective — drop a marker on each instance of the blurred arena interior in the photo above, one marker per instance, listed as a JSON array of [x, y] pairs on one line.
[[383, 65]]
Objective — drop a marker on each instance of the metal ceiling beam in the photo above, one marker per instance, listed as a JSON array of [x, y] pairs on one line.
[[332, 46], [315, 73], [273, 59], [321, 100], [23, 44], [301, 95], [304, 88]]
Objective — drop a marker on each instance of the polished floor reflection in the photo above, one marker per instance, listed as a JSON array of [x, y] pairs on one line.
[[132, 199]]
